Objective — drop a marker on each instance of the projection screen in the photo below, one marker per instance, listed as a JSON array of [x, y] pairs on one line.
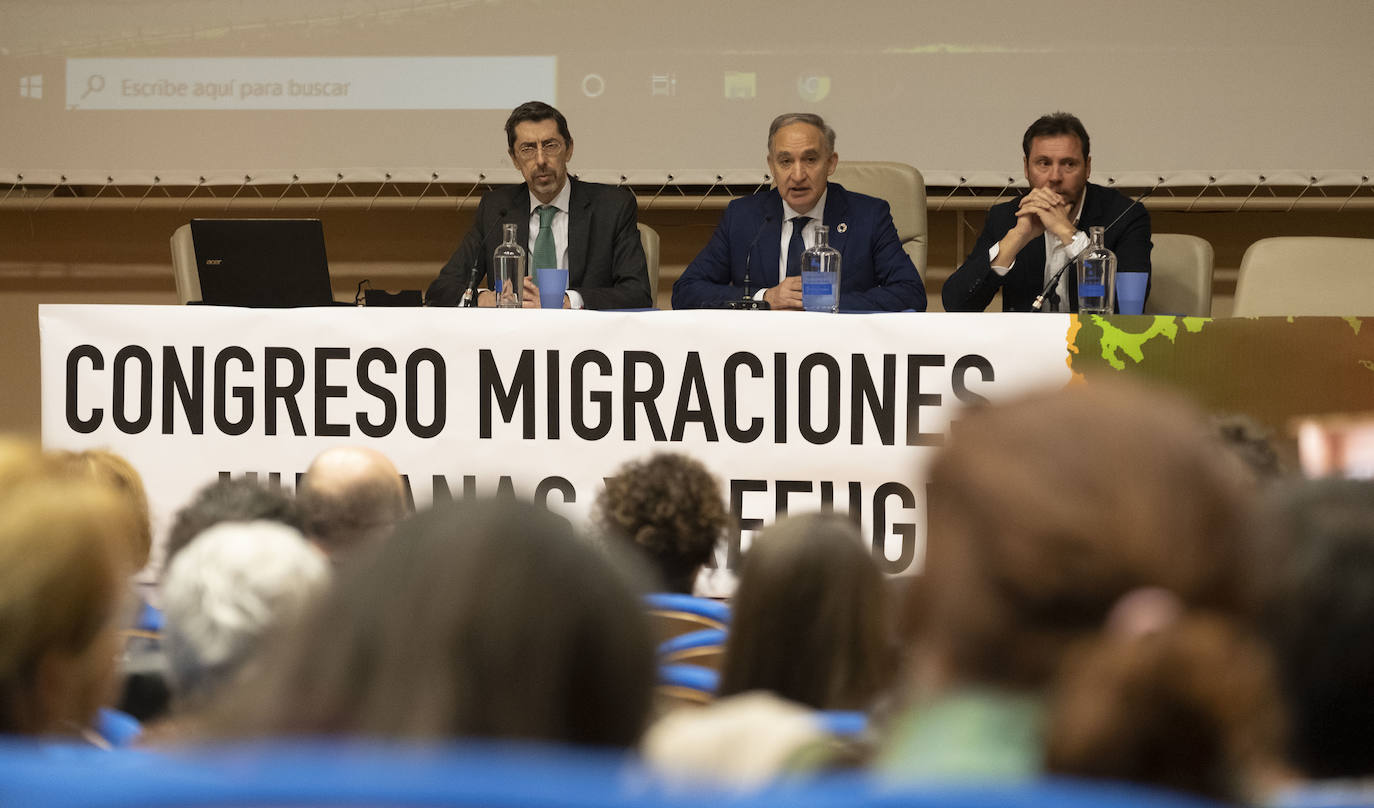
[[213, 91]]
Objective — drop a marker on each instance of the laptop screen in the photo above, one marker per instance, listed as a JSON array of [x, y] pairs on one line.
[[268, 263]]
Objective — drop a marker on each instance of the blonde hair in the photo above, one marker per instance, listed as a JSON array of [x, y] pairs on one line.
[[63, 560], [104, 466]]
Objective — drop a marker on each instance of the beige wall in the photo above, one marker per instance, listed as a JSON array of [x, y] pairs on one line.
[[74, 255]]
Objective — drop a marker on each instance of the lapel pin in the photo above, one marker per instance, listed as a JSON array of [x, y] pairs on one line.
[[842, 227]]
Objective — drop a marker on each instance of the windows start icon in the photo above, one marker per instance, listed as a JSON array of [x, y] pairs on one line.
[[31, 86]]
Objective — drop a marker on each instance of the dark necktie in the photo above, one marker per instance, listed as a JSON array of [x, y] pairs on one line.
[[795, 246], [545, 253]]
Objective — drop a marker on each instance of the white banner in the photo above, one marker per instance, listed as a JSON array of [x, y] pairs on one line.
[[793, 412]]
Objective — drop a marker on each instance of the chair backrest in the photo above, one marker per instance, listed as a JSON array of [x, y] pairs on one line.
[[648, 237], [705, 647], [903, 187], [1306, 276], [1181, 275], [184, 270], [672, 614], [684, 686]]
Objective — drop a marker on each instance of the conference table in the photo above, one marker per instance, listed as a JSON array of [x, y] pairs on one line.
[[792, 412]]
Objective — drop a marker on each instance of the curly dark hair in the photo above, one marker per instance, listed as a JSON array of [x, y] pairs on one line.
[[671, 508]]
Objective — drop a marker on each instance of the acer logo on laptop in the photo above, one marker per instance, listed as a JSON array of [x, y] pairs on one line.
[[213, 262]]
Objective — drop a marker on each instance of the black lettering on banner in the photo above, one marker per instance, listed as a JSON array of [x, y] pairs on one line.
[[489, 384], [505, 488], [243, 394], [785, 490], [738, 488], [405, 483], [961, 369], [325, 391], [79, 425], [916, 399], [191, 395], [272, 391], [906, 530], [559, 484], [780, 398], [694, 382], [380, 392], [883, 406], [856, 505], [732, 427], [832, 398], [646, 398], [127, 425], [601, 398], [432, 358], [551, 387]]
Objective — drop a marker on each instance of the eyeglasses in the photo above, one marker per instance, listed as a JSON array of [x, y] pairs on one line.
[[550, 147]]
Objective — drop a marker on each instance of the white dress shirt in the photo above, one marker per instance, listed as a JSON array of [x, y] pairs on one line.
[[560, 233]]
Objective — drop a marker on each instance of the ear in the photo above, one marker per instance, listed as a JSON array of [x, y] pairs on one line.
[[831, 163], [567, 155], [1087, 167], [1025, 169]]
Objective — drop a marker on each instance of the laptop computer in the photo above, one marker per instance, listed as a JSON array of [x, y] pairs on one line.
[[266, 263]]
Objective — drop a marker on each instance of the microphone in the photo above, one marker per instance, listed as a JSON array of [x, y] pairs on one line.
[[470, 294], [1054, 281], [748, 303]]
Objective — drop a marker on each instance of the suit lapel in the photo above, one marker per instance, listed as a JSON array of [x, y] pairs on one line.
[[579, 232], [836, 213], [764, 269], [519, 213]]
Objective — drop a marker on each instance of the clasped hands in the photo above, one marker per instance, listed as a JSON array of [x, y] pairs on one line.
[[529, 298], [1043, 209]]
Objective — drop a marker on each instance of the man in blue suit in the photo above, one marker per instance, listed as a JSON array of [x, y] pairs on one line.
[[760, 238]]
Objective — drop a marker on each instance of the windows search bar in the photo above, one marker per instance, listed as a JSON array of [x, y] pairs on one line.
[[442, 82]]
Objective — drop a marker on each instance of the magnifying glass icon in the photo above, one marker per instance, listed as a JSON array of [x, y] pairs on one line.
[[94, 84]]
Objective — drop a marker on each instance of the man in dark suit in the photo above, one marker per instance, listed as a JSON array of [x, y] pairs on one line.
[[763, 235], [1051, 220], [587, 228]]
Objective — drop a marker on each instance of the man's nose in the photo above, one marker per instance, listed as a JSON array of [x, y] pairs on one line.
[[798, 173], [1056, 174]]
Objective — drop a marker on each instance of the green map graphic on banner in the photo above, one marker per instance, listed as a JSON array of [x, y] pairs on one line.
[[1272, 368]]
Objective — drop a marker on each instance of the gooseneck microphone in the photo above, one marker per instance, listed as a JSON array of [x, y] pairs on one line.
[[748, 303], [1054, 280], [470, 294]]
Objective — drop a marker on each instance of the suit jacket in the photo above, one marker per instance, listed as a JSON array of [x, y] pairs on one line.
[[974, 284], [875, 274], [606, 262]]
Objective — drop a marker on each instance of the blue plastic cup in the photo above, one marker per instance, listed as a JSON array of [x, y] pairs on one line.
[[553, 283], [1130, 291]]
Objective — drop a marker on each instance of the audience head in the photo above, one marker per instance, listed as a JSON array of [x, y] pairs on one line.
[[1186, 705], [223, 594], [801, 157], [488, 619], [1045, 511], [119, 474], [1252, 444], [1316, 564], [810, 620], [671, 508], [64, 556], [240, 499], [350, 496]]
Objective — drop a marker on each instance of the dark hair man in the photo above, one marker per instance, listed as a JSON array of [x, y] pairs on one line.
[[588, 228], [775, 226], [1026, 241]]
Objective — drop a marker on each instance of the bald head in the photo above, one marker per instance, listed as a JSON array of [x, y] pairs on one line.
[[350, 495]]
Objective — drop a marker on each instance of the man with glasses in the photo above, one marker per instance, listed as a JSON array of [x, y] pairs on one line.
[[588, 228], [1026, 241]]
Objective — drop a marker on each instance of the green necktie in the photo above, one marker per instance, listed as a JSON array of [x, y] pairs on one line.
[[545, 256]]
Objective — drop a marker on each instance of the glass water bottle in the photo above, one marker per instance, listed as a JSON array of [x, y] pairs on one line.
[[820, 274], [508, 267], [1096, 276]]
